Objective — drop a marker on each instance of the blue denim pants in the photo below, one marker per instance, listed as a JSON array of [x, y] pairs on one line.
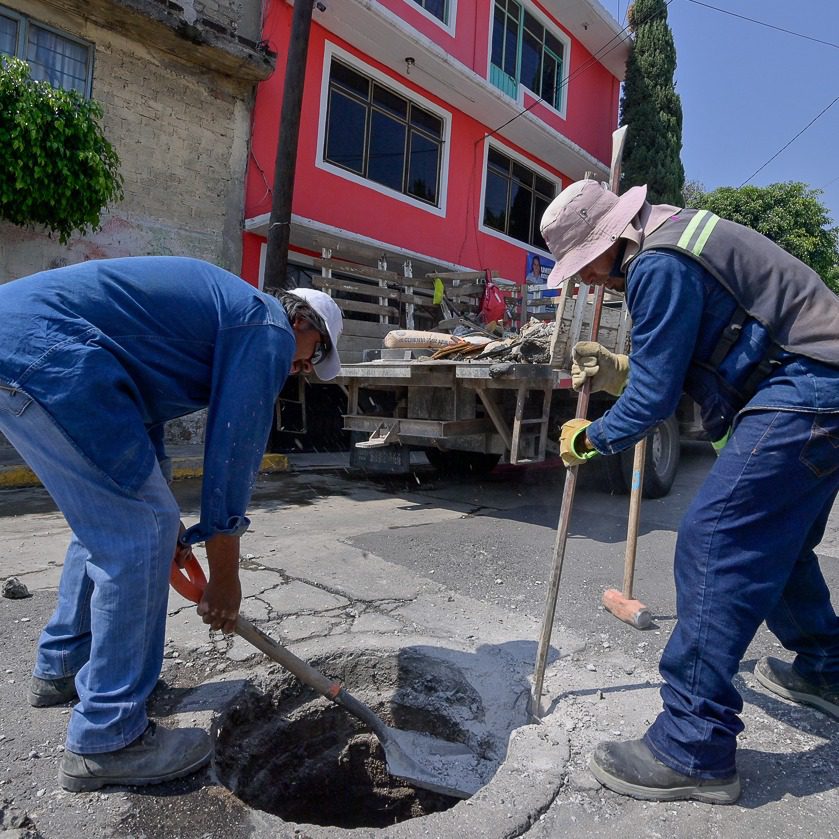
[[745, 554], [108, 628]]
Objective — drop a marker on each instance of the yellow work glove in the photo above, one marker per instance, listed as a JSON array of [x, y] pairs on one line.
[[570, 440], [607, 370]]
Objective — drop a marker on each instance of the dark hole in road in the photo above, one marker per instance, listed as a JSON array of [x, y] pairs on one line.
[[285, 751]]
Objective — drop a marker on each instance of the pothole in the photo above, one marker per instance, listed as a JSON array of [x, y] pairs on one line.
[[282, 749]]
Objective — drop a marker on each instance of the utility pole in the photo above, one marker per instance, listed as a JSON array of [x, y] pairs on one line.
[[279, 226]]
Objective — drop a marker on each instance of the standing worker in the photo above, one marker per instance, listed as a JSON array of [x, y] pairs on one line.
[[96, 358], [752, 335]]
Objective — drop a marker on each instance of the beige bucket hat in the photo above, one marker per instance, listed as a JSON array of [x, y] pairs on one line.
[[583, 222]]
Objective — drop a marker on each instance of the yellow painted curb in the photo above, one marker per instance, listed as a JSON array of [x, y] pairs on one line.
[[18, 477]]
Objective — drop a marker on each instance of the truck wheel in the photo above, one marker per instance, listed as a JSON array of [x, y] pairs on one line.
[[663, 451], [460, 463]]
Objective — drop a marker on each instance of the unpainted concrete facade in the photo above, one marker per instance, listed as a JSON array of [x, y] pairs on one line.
[[176, 84]]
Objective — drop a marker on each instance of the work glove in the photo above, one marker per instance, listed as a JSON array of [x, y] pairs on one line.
[[608, 371], [570, 440]]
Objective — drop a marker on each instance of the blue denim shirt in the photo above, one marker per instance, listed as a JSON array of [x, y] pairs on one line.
[[114, 348], [678, 311]]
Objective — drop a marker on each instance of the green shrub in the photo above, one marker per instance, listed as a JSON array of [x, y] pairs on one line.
[[57, 169]]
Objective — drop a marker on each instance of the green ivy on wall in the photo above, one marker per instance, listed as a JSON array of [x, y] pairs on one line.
[[57, 169]]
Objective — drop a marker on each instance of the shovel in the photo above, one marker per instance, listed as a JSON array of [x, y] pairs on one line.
[[454, 767]]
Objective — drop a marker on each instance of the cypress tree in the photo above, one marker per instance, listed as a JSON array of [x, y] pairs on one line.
[[651, 107]]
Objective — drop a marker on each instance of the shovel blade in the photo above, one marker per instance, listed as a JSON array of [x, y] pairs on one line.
[[424, 761]]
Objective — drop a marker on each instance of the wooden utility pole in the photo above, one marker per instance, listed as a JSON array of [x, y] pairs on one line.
[[279, 226]]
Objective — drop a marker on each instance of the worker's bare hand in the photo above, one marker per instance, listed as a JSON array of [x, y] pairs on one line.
[[219, 607], [182, 551]]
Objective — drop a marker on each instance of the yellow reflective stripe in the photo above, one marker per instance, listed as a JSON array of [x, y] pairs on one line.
[[691, 229], [706, 232]]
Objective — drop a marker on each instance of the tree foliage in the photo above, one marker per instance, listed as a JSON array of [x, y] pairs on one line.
[[57, 168], [651, 107], [790, 214]]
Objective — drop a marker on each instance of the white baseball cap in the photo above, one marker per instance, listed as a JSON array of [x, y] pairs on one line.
[[327, 368]]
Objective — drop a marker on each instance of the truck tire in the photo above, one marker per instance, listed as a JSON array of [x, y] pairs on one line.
[[660, 466], [662, 463], [461, 463]]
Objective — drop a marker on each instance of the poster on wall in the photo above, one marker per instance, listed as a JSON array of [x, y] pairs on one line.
[[536, 271]]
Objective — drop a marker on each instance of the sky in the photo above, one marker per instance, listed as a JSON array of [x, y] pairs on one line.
[[748, 89]]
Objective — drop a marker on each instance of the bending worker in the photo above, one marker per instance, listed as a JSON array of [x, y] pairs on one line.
[[96, 357], [752, 334]]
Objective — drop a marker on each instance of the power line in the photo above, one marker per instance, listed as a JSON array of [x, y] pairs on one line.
[[763, 23], [819, 115]]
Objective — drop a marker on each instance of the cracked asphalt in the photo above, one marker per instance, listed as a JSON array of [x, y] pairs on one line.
[[336, 561]]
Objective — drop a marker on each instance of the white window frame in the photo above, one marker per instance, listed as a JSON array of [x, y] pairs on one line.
[[448, 26], [534, 167], [24, 21], [559, 34], [331, 51]]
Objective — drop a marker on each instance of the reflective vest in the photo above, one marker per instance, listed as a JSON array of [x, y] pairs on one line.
[[800, 313]]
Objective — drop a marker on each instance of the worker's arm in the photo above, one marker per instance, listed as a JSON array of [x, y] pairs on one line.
[[665, 296], [219, 606]]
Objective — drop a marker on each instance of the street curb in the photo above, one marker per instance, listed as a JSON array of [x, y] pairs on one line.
[[20, 477]]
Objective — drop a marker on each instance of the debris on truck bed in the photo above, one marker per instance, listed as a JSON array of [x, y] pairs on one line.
[[530, 345]]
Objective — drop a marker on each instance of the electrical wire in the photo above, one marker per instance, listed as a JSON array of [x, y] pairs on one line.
[[787, 145], [764, 23]]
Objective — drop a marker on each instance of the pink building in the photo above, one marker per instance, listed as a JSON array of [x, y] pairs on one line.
[[435, 132]]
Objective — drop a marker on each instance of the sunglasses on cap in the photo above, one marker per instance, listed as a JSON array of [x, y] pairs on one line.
[[322, 349]]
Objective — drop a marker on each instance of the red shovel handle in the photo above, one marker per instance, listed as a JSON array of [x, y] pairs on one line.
[[191, 584]]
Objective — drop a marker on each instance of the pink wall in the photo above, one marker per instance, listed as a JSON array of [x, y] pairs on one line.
[[335, 201]]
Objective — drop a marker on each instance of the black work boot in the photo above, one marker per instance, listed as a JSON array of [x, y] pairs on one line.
[[43, 693], [158, 755], [630, 768], [781, 678]]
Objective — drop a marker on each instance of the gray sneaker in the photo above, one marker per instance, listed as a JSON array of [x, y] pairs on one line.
[[159, 754], [44, 693], [630, 768], [781, 678]]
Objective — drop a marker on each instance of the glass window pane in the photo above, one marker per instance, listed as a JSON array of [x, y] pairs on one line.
[[539, 207], [522, 173], [8, 35], [554, 45], [550, 81], [495, 202], [345, 132], [545, 187], [386, 162], [343, 75], [498, 160], [58, 60], [498, 37], [423, 119], [435, 7], [534, 27], [423, 168], [531, 61], [520, 209], [383, 98], [511, 47]]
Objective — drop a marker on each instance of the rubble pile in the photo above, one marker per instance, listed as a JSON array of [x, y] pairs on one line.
[[530, 345]]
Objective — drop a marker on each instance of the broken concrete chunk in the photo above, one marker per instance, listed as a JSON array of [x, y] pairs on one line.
[[14, 589]]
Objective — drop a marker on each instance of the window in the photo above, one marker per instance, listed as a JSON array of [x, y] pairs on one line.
[[62, 61], [382, 136], [515, 199], [525, 52], [437, 8]]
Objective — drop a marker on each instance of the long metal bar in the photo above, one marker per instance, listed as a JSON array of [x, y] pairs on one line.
[[570, 488]]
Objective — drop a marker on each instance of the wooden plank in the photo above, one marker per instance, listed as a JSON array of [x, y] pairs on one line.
[[356, 343], [461, 275], [368, 308], [339, 284], [367, 327], [357, 270]]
